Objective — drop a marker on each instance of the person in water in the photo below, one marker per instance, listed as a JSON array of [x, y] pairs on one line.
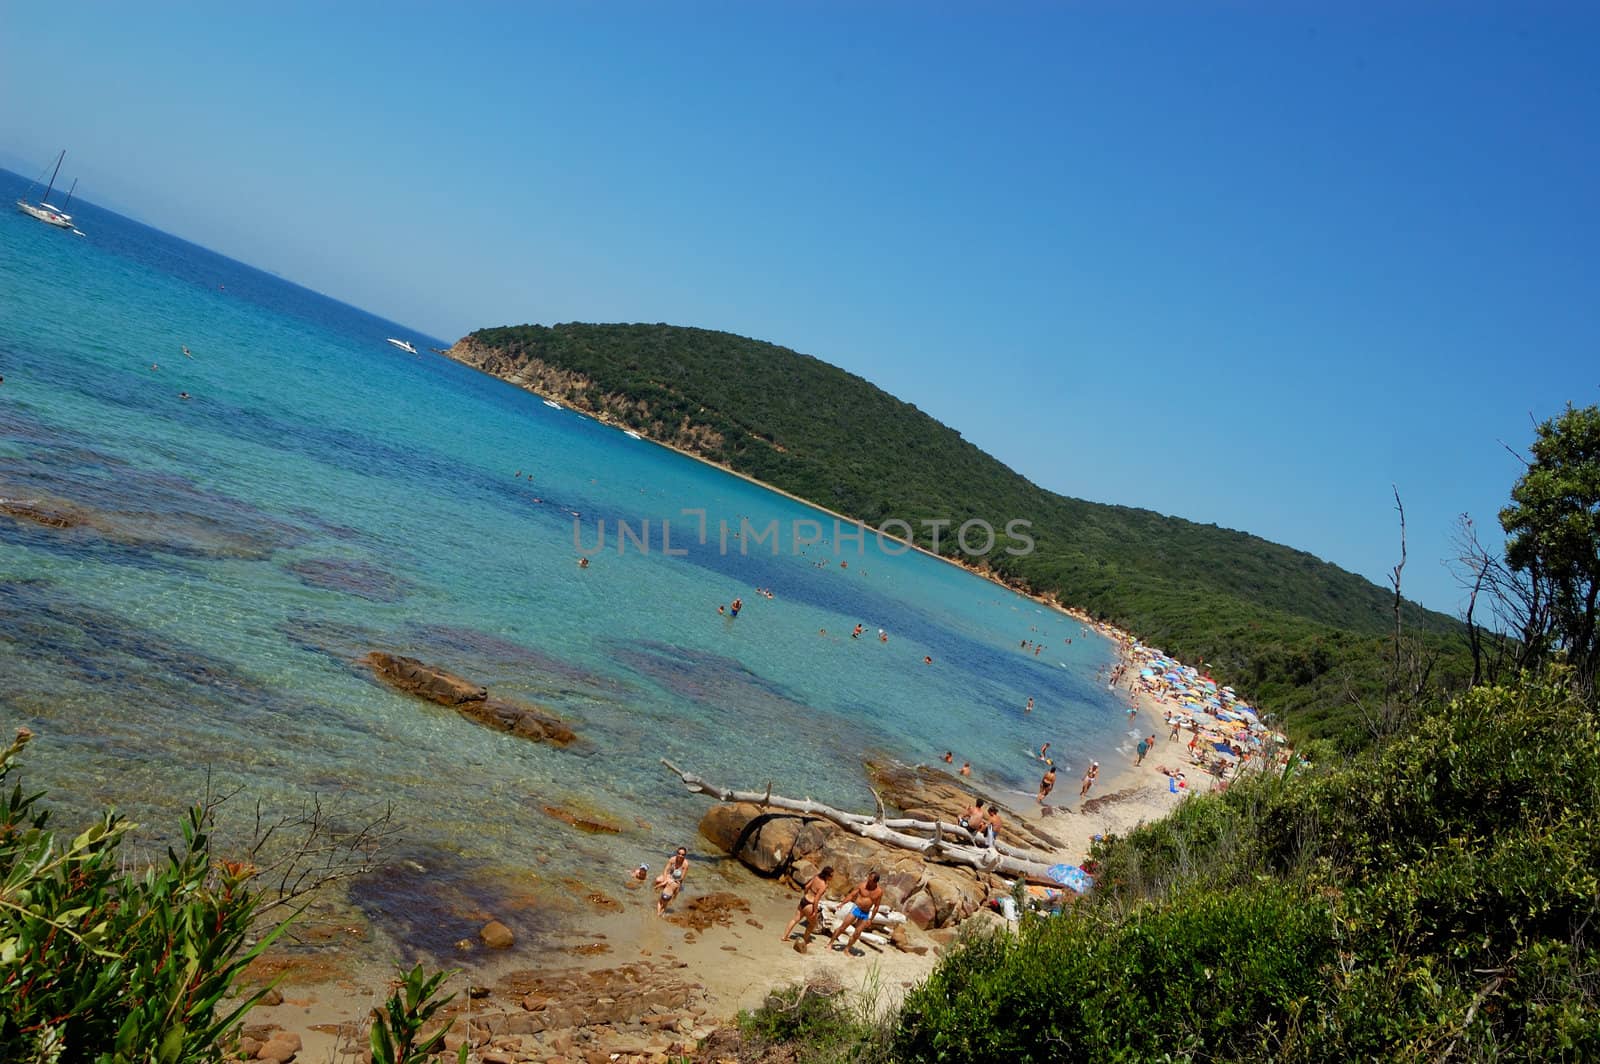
[[737, 605], [927, 660], [949, 757], [966, 768], [1048, 783], [810, 908], [1044, 752], [583, 563], [883, 637], [1029, 708], [857, 633], [670, 881]]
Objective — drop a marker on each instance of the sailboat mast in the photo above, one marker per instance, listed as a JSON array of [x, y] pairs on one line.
[[70, 191], [53, 176]]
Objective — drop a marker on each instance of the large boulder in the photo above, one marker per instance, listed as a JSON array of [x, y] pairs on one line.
[[797, 847], [764, 840]]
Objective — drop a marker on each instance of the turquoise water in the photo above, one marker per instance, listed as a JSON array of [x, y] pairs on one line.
[[324, 494]]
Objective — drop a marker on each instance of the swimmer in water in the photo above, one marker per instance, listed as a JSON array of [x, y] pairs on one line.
[[1029, 708], [186, 353], [857, 633], [583, 563], [738, 604], [183, 395], [926, 660]]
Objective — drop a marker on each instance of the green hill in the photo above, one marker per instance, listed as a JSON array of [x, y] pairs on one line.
[[1293, 631]]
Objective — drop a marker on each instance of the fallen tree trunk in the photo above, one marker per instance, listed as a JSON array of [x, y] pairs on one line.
[[1004, 860]]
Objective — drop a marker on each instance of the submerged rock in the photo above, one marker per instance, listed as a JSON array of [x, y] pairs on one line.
[[445, 688]]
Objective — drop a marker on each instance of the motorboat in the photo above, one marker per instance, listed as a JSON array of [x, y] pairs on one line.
[[552, 404], [404, 345]]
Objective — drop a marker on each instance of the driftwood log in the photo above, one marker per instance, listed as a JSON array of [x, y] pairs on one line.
[[949, 843]]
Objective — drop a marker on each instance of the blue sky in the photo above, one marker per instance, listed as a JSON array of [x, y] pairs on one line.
[[1247, 263]]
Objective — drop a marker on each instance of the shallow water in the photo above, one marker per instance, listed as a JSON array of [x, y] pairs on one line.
[[324, 494]]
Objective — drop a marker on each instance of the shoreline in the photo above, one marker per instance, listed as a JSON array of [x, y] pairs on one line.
[[737, 960]]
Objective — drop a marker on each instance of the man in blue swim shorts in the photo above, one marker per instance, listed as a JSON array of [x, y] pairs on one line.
[[861, 908]]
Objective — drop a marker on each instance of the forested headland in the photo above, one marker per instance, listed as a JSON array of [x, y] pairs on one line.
[[1299, 635]]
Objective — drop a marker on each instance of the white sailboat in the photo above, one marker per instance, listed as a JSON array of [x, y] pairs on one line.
[[43, 210]]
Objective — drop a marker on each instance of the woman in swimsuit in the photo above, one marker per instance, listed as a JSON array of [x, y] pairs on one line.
[[809, 908], [670, 881]]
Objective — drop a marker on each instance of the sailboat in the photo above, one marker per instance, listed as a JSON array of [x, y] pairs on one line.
[[43, 210]]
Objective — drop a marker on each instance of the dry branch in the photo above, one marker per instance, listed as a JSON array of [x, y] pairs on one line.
[[1006, 860]]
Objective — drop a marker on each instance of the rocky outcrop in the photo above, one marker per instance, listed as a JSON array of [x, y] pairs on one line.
[[531, 373], [417, 678], [929, 794], [796, 847]]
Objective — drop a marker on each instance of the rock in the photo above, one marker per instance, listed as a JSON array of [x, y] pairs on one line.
[[496, 935], [271, 997], [425, 681], [414, 677], [281, 1048], [248, 1048], [921, 910], [593, 823], [48, 516]]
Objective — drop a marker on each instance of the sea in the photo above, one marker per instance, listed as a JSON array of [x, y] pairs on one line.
[[322, 494]]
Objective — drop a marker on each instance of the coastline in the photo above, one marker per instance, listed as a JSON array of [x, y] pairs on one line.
[[726, 948]]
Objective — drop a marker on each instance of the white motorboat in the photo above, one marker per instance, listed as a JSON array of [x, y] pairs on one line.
[[552, 404], [43, 209], [404, 345], [632, 435]]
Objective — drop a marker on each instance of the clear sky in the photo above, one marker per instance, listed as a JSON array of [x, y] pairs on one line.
[[1247, 263]]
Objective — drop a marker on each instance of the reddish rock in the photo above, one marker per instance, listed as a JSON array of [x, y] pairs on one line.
[[281, 1048], [496, 935], [414, 677], [425, 681], [920, 909]]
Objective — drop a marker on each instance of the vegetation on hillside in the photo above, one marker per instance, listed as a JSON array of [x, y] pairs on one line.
[[1297, 634]]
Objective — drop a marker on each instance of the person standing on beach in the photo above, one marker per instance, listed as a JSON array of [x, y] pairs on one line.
[[864, 902], [809, 908], [1048, 783], [1089, 778], [670, 881], [1142, 749]]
